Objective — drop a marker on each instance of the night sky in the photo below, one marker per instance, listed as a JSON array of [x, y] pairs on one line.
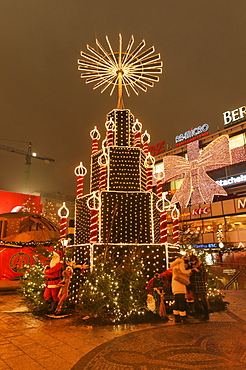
[[44, 100]]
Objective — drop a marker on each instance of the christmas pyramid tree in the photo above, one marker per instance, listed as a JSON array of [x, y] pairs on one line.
[[121, 210]]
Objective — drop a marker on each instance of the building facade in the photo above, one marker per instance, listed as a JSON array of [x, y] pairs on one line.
[[224, 219]]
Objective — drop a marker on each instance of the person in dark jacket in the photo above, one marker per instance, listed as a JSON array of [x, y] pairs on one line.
[[198, 287]]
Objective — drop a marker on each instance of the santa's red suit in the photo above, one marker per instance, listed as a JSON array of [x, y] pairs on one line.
[[52, 278]]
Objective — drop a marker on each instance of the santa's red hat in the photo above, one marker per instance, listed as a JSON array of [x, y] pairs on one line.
[[58, 254]]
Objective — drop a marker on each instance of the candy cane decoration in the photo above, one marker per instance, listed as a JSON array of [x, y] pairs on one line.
[[95, 135], [103, 163], [175, 217], [163, 213], [145, 139], [94, 204], [110, 127], [163, 205], [149, 164], [136, 129], [80, 171], [63, 213]]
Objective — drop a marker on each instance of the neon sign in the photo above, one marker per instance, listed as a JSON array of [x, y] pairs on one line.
[[209, 245], [232, 180], [158, 149], [200, 211], [192, 134], [234, 115]]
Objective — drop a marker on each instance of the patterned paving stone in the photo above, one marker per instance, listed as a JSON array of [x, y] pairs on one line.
[[213, 346]]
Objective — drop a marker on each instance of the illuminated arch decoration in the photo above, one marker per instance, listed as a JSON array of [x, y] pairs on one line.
[[133, 68], [197, 185]]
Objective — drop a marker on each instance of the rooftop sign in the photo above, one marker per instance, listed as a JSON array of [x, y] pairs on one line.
[[234, 115], [192, 134]]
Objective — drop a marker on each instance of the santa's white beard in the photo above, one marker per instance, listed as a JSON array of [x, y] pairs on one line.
[[54, 261]]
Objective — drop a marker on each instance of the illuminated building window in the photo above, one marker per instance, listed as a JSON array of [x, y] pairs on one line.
[[235, 222], [236, 141]]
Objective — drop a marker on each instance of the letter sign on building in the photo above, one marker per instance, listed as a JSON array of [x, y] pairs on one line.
[[200, 211], [241, 203], [234, 115]]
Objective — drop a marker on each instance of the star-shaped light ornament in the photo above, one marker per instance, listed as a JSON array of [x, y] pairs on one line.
[[197, 185], [133, 68]]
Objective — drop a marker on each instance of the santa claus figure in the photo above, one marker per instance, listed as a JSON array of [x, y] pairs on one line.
[[53, 275]]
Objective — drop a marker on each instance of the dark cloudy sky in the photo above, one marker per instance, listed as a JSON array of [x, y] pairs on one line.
[[44, 101]]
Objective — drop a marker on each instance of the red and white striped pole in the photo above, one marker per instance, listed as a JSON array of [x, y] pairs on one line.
[[149, 164], [110, 127], [159, 187], [80, 171], [175, 217], [94, 204], [63, 213], [103, 163], [145, 139], [136, 129], [95, 135], [162, 208]]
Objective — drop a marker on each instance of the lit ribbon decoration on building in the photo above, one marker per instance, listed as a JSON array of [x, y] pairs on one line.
[[80, 171], [136, 129], [197, 185], [94, 204]]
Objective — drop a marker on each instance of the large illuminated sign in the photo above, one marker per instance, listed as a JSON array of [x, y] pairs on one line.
[[232, 180], [192, 134], [234, 115]]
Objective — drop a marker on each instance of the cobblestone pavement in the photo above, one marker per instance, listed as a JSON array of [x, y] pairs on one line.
[[34, 343]]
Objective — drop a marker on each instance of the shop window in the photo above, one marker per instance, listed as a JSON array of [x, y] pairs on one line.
[[196, 226], [235, 222], [236, 141], [175, 185], [213, 225]]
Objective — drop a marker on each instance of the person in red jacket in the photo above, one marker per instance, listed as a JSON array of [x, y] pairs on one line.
[[53, 275]]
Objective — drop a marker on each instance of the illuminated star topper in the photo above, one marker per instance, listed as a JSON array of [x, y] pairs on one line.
[[135, 69]]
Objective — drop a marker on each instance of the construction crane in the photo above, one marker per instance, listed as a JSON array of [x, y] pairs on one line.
[[29, 154]]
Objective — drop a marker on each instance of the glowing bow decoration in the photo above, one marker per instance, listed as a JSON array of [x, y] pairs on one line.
[[197, 185]]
